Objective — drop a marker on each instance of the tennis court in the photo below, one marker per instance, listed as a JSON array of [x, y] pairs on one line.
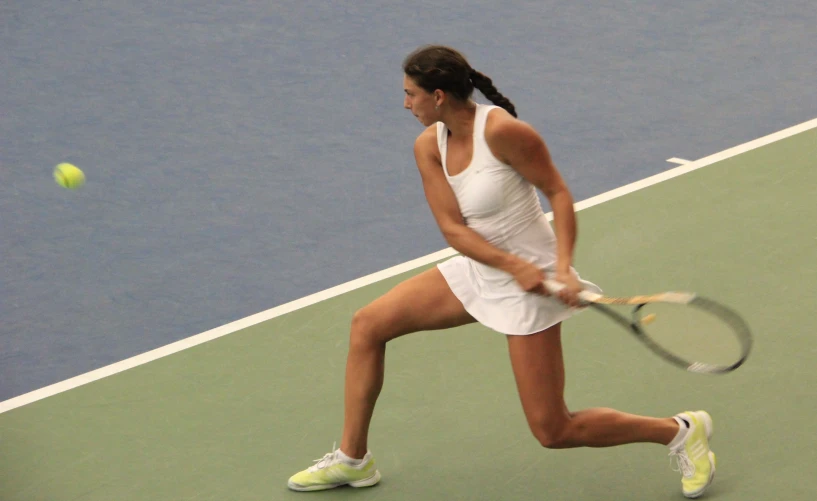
[[244, 158], [233, 417]]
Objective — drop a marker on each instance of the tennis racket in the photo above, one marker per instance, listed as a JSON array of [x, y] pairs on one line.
[[692, 332]]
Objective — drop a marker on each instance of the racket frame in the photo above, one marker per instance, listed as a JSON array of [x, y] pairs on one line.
[[633, 324]]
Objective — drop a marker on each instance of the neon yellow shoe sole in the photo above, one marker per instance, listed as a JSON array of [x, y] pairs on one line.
[[296, 485], [331, 472]]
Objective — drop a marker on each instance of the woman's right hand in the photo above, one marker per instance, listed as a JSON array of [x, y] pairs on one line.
[[528, 276]]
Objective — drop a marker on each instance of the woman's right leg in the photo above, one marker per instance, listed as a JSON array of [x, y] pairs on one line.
[[424, 302]]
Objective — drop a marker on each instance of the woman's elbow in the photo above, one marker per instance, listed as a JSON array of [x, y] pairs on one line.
[[452, 233]]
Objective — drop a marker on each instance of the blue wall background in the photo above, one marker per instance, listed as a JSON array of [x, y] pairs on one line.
[[244, 154]]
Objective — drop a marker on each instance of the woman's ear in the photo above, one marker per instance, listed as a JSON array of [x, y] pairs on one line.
[[439, 98]]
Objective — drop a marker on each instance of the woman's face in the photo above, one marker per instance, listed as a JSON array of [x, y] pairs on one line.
[[419, 102]]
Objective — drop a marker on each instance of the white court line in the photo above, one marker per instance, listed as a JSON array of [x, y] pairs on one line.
[[680, 161], [218, 332]]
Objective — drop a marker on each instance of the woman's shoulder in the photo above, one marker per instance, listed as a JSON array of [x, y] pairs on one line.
[[426, 142], [499, 121], [502, 128]]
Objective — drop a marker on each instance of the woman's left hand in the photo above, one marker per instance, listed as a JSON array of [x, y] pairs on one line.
[[570, 293]]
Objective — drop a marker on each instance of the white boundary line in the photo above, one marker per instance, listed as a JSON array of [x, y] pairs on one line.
[[218, 332], [680, 161]]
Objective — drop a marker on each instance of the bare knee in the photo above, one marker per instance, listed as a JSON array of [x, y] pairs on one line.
[[367, 330]]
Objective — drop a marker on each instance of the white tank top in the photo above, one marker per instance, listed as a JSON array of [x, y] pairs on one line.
[[495, 200]]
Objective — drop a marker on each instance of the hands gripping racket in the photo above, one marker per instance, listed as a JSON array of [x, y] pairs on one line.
[[685, 329]]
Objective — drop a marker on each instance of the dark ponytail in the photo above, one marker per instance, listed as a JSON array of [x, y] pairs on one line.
[[438, 67], [486, 86]]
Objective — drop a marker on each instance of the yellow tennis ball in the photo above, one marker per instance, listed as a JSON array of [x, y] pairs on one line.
[[69, 176]]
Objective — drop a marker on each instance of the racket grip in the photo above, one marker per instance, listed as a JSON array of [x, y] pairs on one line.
[[554, 287]]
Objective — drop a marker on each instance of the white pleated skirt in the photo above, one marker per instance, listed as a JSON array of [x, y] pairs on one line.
[[496, 300]]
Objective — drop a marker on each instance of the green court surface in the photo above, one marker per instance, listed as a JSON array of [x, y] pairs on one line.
[[231, 419]]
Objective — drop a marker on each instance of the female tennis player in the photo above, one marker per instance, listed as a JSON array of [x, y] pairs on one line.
[[480, 167]]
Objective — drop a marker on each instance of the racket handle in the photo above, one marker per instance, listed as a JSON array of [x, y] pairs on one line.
[[554, 287]]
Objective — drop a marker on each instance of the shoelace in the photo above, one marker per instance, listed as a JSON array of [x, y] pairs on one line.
[[325, 461], [685, 465]]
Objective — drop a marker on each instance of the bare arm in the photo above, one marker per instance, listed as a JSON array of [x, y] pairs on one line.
[[520, 146]]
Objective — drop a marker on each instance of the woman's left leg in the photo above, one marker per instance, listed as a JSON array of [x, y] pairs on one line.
[[538, 367]]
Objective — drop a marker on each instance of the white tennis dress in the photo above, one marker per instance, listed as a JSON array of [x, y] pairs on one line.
[[503, 207]]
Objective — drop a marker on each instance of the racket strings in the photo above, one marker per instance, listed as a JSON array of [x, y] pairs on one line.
[[702, 336]]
